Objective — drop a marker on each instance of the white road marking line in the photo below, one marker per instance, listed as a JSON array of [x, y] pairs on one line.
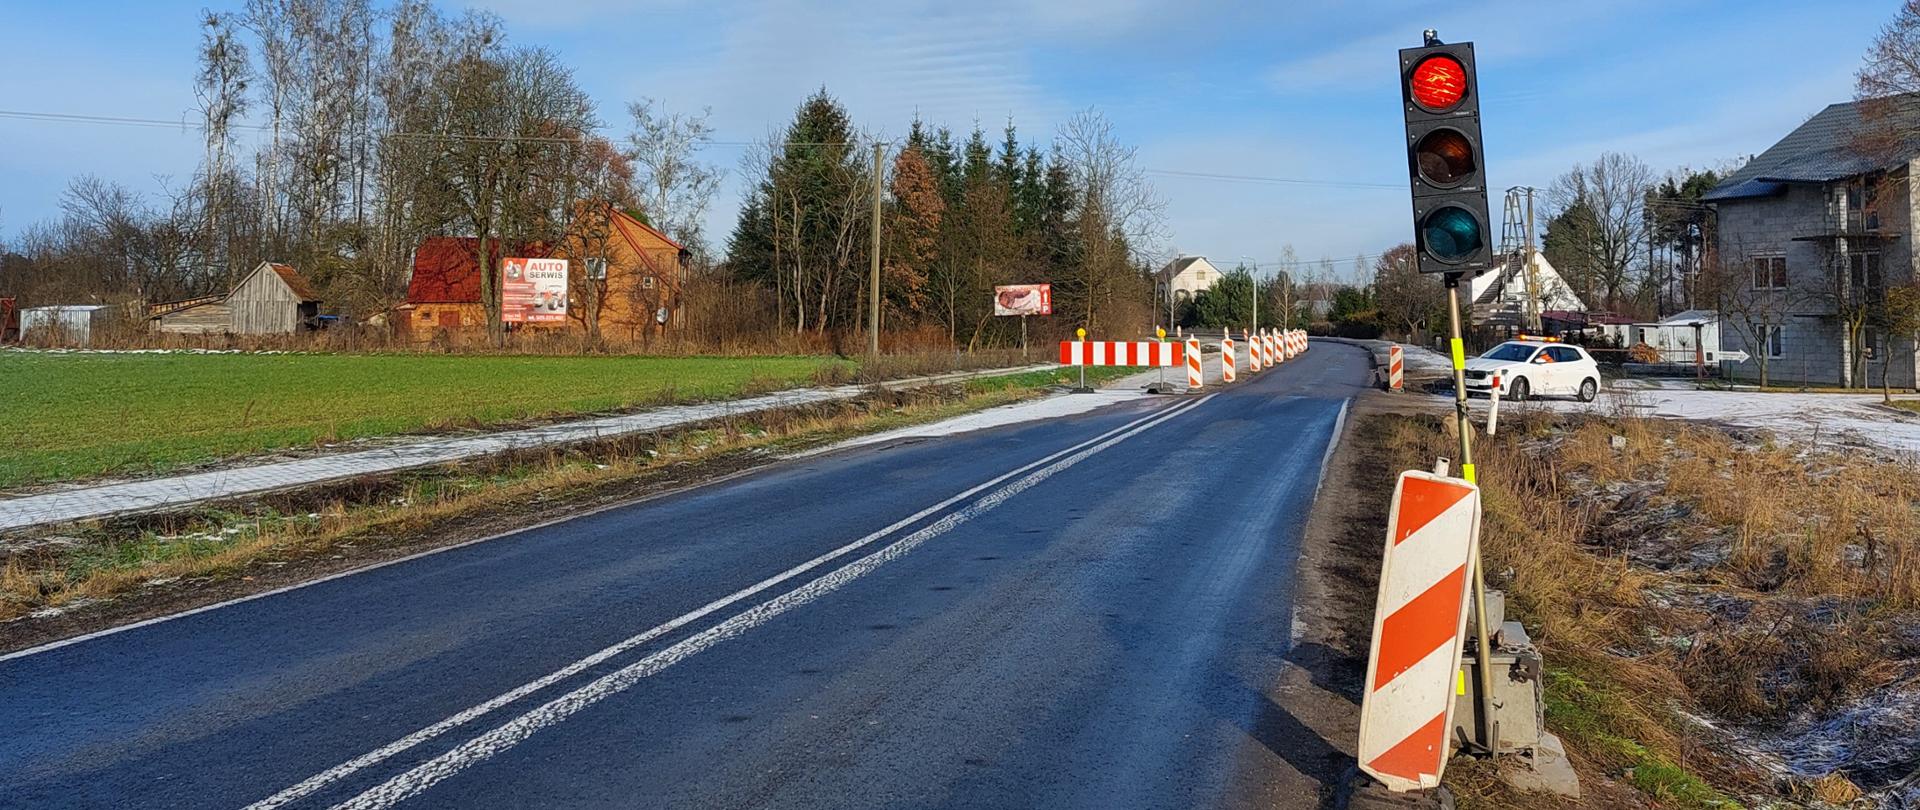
[[515, 731], [348, 768], [1339, 424]]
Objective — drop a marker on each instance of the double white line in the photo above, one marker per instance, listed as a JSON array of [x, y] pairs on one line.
[[520, 728]]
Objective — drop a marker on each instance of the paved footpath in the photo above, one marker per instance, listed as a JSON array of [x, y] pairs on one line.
[[154, 494]]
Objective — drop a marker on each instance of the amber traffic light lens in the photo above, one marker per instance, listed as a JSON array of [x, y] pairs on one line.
[[1451, 234], [1445, 157], [1439, 83]]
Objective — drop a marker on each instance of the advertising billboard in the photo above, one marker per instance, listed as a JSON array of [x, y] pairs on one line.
[[1023, 299], [533, 290]]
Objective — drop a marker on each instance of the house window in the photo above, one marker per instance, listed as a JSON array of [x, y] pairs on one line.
[[597, 269], [1769, 272], [426, 314], [1873, 343], [1863, 271], [1772, 338], [646, 282]]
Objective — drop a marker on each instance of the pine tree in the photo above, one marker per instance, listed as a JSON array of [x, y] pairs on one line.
[[913, 234]]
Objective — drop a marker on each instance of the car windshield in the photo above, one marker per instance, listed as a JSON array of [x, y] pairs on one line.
[[1511, 352]]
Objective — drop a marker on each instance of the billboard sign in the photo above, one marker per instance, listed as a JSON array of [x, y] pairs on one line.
[[1023, 299], [533, 290]]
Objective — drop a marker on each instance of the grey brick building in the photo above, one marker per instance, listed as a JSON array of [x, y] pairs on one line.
[[1811, 233]]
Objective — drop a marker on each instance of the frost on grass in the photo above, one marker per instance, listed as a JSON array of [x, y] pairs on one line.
[[1780, 582]]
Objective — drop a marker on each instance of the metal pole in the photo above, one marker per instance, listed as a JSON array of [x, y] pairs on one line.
[[873, 275], [1483, 653], [1533, 282], [1023, 337], [1253, 269]]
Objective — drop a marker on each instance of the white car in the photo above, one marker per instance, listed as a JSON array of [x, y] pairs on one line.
[[1530, 368]]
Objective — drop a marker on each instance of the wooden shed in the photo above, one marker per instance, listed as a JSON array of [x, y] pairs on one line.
[[273, 299], [207, 314]]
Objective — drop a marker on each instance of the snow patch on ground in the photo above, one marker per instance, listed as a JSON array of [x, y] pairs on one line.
[[1422, 360], [1053, 407], [1848, 419]]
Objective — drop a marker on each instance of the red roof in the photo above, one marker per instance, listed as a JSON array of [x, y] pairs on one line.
[[444, 272]]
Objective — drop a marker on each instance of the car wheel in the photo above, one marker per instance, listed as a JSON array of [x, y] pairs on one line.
[[1517, 390], [1589, 389]]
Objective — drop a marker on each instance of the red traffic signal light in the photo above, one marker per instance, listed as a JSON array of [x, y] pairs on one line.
[[1438, 83], [1446, 168]]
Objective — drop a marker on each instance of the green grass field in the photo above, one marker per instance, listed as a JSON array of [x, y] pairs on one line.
[[68, 416]]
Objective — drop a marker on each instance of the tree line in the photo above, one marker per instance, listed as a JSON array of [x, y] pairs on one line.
[[959, 215], [339, 134]]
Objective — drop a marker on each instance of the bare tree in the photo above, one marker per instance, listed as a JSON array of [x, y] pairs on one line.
[[1409, 299], [1892, 65], [675, 186], [221, 89], [1120, 217], [1614, 188]]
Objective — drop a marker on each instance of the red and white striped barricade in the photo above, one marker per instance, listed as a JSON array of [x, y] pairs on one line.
[[1195, 378], [1396, 368], [1419, 626], [1121, 353], [1253, 352], [1226, 359], [1270, 344]]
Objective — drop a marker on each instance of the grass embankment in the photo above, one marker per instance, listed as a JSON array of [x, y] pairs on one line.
[[68, 416], [1687, 572], [392, 514]]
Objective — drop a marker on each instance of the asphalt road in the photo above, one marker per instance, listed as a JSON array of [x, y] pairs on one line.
[[1084, 612]]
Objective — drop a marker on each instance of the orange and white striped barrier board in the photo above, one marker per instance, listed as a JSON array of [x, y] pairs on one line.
[[1194, 376], [1396, 368], [1253, 352], [1270, 343], [1121, 353], [1226, 358], [1419, 626]]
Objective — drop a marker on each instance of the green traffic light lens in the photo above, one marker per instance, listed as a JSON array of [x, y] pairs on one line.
[[1452, 234]]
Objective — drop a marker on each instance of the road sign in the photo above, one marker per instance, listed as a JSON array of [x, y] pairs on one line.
[[1737, 357], [1419, 627]]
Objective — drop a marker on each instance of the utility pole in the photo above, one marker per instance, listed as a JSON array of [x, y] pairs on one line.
[[1177, 256], [1253, 269], [873, 276], [1533, 276]]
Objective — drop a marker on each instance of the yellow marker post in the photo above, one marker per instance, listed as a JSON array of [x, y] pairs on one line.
[[1082, 334]]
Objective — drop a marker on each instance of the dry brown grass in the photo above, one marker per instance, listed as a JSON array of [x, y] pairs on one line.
[[1691, 570]]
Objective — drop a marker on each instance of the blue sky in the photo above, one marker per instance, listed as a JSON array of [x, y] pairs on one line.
[[1289, 90]]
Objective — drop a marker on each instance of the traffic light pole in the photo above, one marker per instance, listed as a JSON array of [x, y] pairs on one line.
[[1483, 652]]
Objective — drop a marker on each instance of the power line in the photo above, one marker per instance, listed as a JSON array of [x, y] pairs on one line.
[[1291, 181]]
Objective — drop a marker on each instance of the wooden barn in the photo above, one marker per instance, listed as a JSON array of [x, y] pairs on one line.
[[205, 315], [274, 299]]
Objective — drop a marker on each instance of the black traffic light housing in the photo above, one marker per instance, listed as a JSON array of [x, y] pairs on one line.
[[1446, 165]]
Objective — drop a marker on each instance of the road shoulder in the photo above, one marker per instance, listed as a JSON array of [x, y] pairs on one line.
[[1303, 734]]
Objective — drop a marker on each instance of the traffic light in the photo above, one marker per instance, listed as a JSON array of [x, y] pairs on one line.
[[1442, 102]]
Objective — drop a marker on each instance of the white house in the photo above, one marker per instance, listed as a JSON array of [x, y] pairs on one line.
[[1186, 277], [1500, 294], [1682, 338]]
